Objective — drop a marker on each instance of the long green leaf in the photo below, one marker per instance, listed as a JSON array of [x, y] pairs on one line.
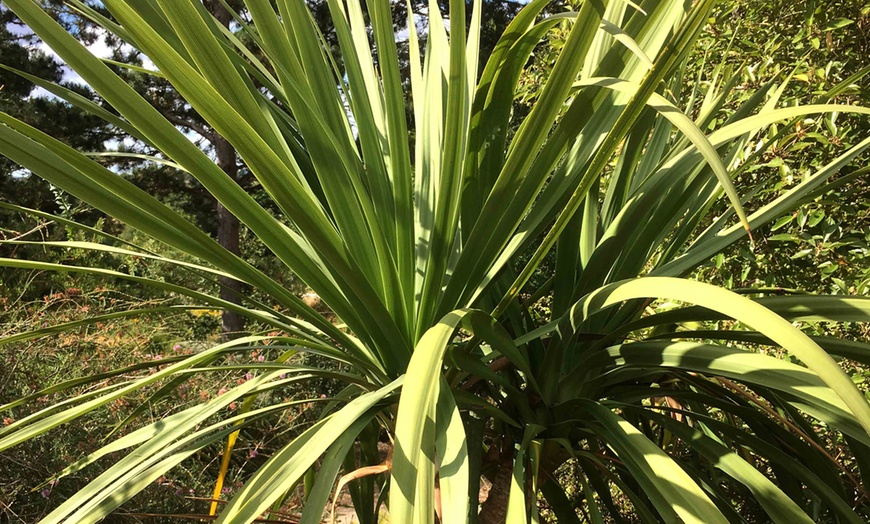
[[288, 465], [736, 307], [672, 491]]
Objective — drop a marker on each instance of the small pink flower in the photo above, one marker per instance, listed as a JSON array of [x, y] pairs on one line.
[[323, 396], [176, 347], [45, 493], [221, 391], [282, 375], [253, 453], [261, 358], [249, 376]]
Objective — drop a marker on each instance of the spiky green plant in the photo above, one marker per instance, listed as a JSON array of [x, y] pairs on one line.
[[417, 249]]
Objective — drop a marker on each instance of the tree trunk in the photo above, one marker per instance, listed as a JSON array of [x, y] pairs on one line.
[[232, 324], [494, 509]]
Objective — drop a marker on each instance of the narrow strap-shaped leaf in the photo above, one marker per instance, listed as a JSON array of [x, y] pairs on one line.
[[780, 508], [594, 511], [800, 308], [289, 464], [328, 137], [69, 169], [101, 495], [400, 169], [446, 210], [246, 407], [429, 108], [90, 379], [518, 498], [26, 428], [96, 319], [419, 396], [453, 471], [672, 491], [318, 497], [736, 307], [366, 103], [72, 224], [686, 126], [198, 33], [176, 145], [282, 181], [580, 133], [263, 316], [167, 429], [516, 506], [810, 392], [568, 261], [524, 148], [492, 102], [79, 101], [702, 251], [851, 349], [664, 64], [826, 490], [562, 508], [577, 136]]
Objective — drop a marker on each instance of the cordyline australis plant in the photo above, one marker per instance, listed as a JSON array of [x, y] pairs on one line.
[[417, 248]]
